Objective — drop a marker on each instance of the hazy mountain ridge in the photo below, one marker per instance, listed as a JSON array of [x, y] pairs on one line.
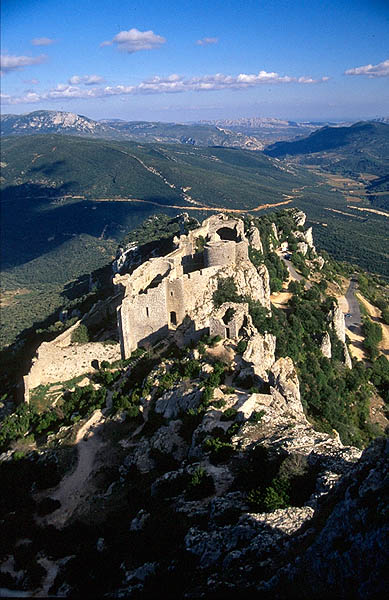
[[51, 121], [361, 148], [40, 122]]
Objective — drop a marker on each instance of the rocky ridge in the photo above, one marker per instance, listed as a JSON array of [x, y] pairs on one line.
[[221, 485]]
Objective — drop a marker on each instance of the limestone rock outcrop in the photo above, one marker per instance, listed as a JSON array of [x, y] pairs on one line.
[[325, 346], [175, 402], [337, 322], [302, 247], [306, 236], [260, 352], [348, 551], [255, 239], [299, 217], [283, 377], [125, 258]]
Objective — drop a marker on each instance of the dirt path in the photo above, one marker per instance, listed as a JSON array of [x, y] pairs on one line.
[[355, 336], [372, 210], [72, 488], [197, 207], [280, 299]]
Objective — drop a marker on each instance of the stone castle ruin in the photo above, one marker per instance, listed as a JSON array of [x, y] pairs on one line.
[[176, 290], [171, 298]]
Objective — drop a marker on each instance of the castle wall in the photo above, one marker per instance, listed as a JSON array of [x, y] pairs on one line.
[[194, 287], [55, 363], [144, 318], [175, 299], [219, 253], [185, 287], [241, 251], [217, 325], [144, 275]]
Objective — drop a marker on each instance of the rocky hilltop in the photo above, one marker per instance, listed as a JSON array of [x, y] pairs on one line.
[[221, 454], [52, 121]]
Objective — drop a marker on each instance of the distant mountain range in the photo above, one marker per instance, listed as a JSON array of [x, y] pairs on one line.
[[47, 121], [355, 150], [247, 133], [271, 130]]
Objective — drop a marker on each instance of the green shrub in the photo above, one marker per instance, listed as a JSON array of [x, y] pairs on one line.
[[133, 411], [272, 497], [200, 485], [207, 394], [190, 369], [256, 416], [226, 292], [80, 335], [276, 496], [218, 403], [229, 414], [241, 346], [220, 451], [18, 455], [229, 390], [373, 336], [190, 420]]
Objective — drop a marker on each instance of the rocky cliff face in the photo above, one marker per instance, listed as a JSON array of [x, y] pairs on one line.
[[255, 239], [347, 546], [224, 532], [325, 345], [337, 323]]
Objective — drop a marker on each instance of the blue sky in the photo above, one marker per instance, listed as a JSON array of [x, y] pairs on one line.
[[191, 60]]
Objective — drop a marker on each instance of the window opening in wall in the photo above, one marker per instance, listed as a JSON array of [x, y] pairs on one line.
[[227, 332], [171, 293], [173, 318], [147, 311]]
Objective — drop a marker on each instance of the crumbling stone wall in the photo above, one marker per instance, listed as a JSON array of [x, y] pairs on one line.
[[55, 363], [61, 360], [152, 308], [229, 320]]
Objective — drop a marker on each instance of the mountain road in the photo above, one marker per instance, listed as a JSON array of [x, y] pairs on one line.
[[353, 316]]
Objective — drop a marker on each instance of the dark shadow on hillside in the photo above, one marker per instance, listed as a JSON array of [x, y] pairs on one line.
[[37, 219], [49, 168], [16, 358]]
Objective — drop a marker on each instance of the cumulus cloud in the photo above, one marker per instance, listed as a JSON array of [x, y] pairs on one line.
[[43, 41], [371, 71], [10, 63], [173, 84], [86, 79], [134, 40], [206, 41]]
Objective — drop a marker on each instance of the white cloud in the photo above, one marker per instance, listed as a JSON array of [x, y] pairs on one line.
[[12, 63], [173, 84], [43, 41], [371, 71], [134, 40], [86, 79], [206, 41]]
